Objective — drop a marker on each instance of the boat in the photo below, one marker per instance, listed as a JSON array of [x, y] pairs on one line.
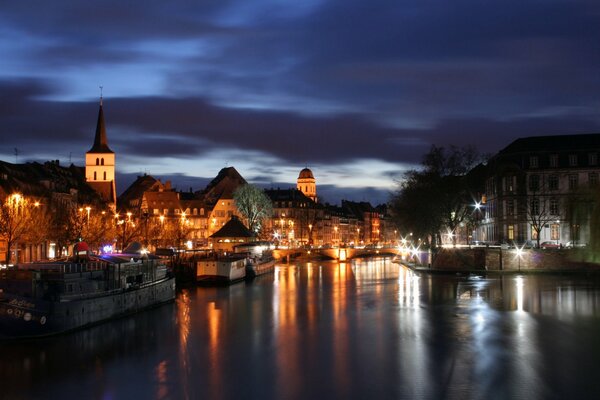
[[221, 269], [256, 266], [46, 298], [259, 258]]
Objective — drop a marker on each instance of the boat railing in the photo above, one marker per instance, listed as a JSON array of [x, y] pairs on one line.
[[65, 268]]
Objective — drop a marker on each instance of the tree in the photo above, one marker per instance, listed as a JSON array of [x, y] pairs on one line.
[[439, 195], [254, 205], [98, 228], [539, 204], [67, 225], [15, 221]]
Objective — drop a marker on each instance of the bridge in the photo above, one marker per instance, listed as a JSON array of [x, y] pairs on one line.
[[337, 253]]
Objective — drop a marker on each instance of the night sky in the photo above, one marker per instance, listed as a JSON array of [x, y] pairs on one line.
[[356, 90]]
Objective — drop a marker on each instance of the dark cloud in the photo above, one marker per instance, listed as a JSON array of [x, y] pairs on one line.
[[315, 82]]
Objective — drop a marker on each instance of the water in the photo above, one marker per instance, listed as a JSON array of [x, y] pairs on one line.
[[368, 329]]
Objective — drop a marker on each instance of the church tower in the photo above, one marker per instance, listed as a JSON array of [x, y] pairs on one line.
[[100, 164], [307, 184]]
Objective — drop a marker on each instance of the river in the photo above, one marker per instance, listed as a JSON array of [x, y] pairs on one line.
[[366, 329]]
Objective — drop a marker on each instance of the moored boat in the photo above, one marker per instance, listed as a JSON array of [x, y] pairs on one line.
[[221, 269], [40, 299], [256, 266]]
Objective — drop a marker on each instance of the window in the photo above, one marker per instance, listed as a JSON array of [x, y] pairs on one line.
[[104, 175], [511, 232], [155, 211], [554, 206], [534, 208], [593, 158], [534, 182], [102, 161], [165, 211], [572, 182], [202, 211], [95, 175], [573, 160], [534, 233], [97, 161], [554, 232], [510, 207], [533, 162], [593, 179], [554, 160], [195, 212], [553, 182], [177, 211]]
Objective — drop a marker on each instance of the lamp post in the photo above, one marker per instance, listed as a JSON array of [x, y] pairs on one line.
[[88, 209], [335, 235], [310, 233]]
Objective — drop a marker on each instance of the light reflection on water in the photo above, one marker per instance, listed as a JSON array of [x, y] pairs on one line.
[[361, 329]]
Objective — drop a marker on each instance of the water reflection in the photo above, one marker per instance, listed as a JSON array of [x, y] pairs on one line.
[[361, 329]]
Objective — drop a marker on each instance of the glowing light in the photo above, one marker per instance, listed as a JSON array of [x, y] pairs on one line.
[[189, 244], [107, 249]]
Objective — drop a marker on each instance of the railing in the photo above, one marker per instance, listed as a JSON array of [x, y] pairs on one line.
[[69, 268]]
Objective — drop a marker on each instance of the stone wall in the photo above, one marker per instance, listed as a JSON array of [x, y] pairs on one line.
[[496, 259]]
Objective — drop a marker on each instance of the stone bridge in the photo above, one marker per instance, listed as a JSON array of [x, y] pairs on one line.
[[341, 253]]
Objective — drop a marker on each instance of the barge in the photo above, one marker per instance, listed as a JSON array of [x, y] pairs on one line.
[[41, 299]]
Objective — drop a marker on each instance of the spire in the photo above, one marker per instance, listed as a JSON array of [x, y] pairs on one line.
[[100, 142]]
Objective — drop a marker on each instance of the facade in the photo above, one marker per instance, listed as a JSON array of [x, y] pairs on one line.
[[541, 188], [100, 164]]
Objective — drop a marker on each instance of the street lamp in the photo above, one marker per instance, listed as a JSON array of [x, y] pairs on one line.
[[88, 209]]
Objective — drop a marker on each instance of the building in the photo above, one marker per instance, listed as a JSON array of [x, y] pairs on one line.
[[232, 234], [100, 164], [541, 188], [307, 184]]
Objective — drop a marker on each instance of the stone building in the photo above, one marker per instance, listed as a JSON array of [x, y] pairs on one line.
[[545, 186]]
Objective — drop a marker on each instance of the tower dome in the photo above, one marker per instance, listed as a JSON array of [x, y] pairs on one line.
[[306, 174], [307, 184]]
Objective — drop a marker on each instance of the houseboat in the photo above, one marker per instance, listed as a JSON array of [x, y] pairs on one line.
[[40, 299], [221, 269]]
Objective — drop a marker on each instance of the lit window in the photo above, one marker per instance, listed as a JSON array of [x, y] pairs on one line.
[[554, 232], [511, 232]]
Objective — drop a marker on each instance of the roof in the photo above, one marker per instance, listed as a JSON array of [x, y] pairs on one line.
[[100, 142], [136, 190], [223, 186], [306, 174], [294, 195], [234, 228], [44, 180], [553, 143]]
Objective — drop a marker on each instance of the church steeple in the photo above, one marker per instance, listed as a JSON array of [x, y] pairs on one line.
[[100, 163], [100, 142]]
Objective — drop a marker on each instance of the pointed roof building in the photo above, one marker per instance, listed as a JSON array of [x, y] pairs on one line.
[[100, 164], [100, 142]]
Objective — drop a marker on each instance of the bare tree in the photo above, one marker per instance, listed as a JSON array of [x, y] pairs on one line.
[[254, 205]]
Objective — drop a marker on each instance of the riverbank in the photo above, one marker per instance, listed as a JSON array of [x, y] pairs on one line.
[[504, 261]]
